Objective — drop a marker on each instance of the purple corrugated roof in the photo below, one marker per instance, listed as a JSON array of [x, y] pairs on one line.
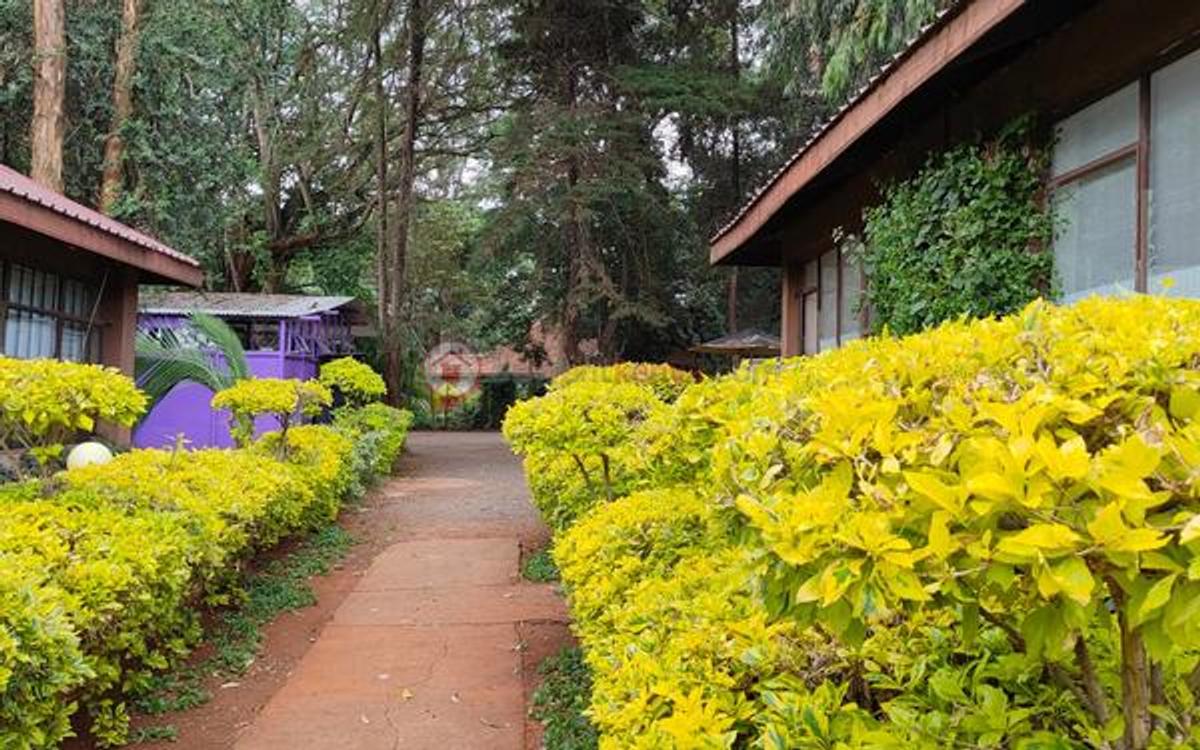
[[15, 183]]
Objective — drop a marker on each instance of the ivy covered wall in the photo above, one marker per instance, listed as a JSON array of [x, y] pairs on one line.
[[968, 234]]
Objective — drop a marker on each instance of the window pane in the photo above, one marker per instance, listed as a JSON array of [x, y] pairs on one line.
[[18, 285], [851, 326], [810, 323], [1102, 128], [1175, 177], [1094, 249], [74, 342], [827, 326], [77, 299], [28, 335]]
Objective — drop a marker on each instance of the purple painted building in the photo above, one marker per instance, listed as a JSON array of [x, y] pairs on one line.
[[284, 335]]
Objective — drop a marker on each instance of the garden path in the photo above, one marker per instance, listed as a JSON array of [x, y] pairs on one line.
[[433, 647]]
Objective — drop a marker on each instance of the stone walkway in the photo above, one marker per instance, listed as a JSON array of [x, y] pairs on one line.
[[426, 650]]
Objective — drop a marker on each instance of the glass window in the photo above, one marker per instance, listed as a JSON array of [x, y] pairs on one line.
[[46, 316], [851, 321], [810, 303], [1174, 240], [827, 317], [1095, 246], [1095, 249], [1106, 126]]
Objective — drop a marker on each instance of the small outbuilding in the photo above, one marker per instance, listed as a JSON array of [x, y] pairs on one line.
[[69, 276], [284, 335]]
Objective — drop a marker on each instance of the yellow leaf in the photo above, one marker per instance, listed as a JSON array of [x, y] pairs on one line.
[[1139, 540], [1191, 530], [1074, 579], [1067, 461], [1107, 526], [930, 487], [1109, 530], [1049, 539], [993, 487], [941, 544]]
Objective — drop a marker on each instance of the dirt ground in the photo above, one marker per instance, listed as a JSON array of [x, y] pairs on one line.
[[447, 486]]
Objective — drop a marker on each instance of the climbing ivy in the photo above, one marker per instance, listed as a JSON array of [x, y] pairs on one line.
[[965, 236]]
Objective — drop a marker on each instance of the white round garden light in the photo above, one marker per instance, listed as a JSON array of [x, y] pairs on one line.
[[86, 454]]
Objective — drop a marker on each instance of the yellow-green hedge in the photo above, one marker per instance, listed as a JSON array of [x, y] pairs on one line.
[[984, 535], [101, 568]]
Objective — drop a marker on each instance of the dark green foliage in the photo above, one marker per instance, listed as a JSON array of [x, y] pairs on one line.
[[835, 46], [158, 733], [967, 235], [561, 699], [171, 356], [539, 567]]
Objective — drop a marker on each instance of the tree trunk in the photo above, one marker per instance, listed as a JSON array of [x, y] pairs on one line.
[[270, 178], [49, 89], [575, 236], [402, 219], [1135, 688], [122, 101], [735, 69], [382, 262], [1135, 677]]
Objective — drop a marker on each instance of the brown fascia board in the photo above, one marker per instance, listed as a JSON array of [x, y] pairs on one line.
[[937, 48], [156, 267]]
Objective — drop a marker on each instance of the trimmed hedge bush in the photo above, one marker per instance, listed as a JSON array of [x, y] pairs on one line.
[[102, 568], [984, 535]]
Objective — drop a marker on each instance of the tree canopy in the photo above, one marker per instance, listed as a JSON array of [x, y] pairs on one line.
[[468, 167]]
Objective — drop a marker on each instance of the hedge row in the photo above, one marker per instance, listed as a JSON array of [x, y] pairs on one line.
[[984, 535], [102, 568]]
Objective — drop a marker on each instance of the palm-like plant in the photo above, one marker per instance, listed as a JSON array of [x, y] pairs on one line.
[[206, 351]]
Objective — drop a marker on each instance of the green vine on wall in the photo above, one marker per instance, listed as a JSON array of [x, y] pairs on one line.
[[967, 235]]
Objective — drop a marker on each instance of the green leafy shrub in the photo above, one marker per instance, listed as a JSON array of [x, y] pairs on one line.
[[283, 399], [102, 568], [965, 236], [40, 662], [577, 442], [44, 403], [983, 535], [357, 382], [666, 381], [385, 425], [559, 702]]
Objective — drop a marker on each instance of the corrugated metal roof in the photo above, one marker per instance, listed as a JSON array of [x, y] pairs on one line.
[[747, 340], [15, 183], [238, 304], [923, 35]]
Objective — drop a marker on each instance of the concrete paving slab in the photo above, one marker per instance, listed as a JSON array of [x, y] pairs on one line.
[[444, 562], [456, 605], [413, 687]]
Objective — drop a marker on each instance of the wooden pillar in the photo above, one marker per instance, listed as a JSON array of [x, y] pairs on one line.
[[118, 312], [791, 333]]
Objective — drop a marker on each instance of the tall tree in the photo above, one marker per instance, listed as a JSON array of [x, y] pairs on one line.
[[399, 224], [122, 105], [49, 92]]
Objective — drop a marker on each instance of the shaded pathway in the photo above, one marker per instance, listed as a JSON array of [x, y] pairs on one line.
[[429, 648]]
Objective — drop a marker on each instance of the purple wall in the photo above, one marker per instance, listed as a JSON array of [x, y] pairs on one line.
[[187, 409]]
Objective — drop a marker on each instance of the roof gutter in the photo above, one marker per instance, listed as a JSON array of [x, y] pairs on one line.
[[939, 44]]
